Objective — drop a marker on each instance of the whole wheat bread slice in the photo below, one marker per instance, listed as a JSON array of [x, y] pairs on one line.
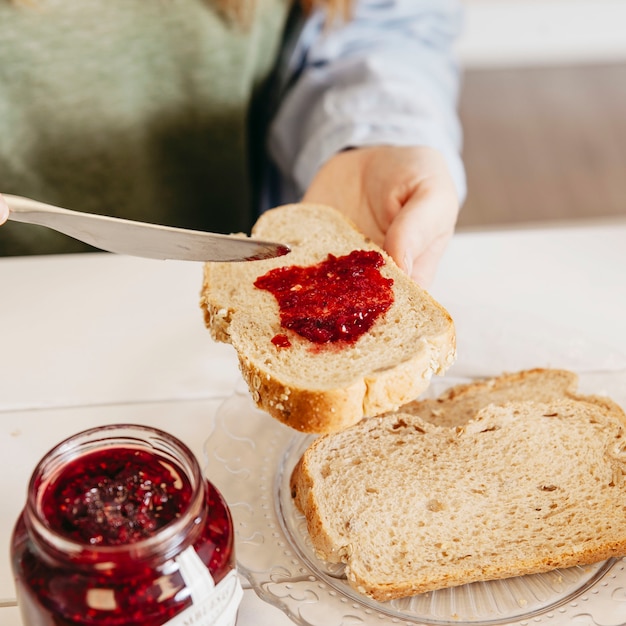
[[412, 507], [324, 388], [462, 402]]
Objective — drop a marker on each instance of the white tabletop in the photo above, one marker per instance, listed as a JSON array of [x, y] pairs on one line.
[[97, 338]]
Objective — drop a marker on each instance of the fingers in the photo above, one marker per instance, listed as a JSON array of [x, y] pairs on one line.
[[418, 236], [425, 266], [4, 210]]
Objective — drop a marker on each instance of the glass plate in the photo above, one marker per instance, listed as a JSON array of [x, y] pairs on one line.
[[250, 457]]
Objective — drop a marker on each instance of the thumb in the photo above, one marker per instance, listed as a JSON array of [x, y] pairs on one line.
[[419, 234]]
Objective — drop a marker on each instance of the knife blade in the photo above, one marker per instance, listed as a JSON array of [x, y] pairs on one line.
[[142, 239]]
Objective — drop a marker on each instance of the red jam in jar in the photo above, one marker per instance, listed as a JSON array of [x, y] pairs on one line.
[[120, 528], [337, 300]]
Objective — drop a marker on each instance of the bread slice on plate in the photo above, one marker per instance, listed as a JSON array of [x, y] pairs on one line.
[[522, 488], [462, 402], [325, 386]]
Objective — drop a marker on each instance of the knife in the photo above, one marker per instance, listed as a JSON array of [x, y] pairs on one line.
[[140, 238]]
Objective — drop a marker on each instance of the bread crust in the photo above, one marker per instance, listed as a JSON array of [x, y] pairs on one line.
[[460, 403], [391, 591], [366, 387]]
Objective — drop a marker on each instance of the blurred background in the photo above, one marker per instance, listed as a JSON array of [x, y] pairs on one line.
[[543, 106]]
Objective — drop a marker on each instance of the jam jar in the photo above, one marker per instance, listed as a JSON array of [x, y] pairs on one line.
[[120, 527]]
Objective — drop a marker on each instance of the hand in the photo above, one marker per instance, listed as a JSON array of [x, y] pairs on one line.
[[4, 210], [403, 198]]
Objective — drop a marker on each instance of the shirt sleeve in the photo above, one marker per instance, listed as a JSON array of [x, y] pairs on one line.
[[387, 76]]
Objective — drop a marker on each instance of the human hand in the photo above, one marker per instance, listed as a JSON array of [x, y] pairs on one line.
[[403, 198], [4, 210]]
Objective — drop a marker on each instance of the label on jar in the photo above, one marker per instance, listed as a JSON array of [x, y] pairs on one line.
[[213, 605]]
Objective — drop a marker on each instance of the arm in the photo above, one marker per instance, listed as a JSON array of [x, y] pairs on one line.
[[386, 84]]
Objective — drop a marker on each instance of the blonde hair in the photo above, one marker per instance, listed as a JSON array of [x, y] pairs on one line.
[[341, 9], [241, 11]]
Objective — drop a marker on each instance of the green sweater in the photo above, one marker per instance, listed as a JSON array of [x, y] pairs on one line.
[[135, 108]]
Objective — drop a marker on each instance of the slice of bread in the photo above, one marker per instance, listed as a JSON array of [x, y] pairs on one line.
[[325, 387], [522, 488], [461, 403]]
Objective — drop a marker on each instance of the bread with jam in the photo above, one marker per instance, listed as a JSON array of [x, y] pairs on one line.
[[522, 487], [333, 331]]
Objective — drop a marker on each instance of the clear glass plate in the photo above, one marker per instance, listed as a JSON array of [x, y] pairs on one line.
[[250, 457]]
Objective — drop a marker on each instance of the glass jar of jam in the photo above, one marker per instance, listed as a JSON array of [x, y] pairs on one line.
[[120, 528]]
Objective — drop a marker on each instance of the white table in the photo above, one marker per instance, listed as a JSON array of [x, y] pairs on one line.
[[93, 339]]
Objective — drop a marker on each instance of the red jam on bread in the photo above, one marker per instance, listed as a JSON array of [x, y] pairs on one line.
[[337, 300]]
